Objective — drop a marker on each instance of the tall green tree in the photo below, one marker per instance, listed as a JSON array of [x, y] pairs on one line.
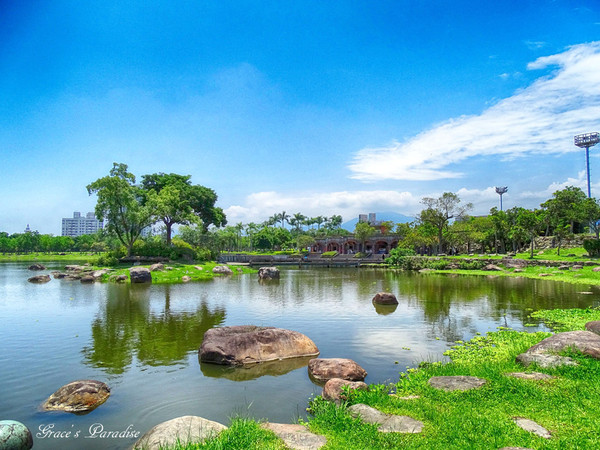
[[566, 206], [175, 200], [121, 204], [362, 232], [439, 211]]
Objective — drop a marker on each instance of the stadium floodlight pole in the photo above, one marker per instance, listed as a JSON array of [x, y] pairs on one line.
[[501, 190], [586, 141]]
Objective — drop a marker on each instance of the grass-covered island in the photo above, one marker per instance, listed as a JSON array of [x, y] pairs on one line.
[[566, 404]]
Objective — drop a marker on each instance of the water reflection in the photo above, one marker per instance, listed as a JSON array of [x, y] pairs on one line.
[[251, 372], [126, 327]]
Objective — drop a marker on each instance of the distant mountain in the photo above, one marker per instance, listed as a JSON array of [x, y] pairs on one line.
[[394, 217]]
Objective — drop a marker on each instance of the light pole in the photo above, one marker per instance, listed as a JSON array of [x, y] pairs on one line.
[[501, 190], [586, 141]]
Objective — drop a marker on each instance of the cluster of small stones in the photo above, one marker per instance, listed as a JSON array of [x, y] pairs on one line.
[[84, 273]]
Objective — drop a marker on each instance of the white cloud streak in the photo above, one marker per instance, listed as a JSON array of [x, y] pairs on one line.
[[539, 119]]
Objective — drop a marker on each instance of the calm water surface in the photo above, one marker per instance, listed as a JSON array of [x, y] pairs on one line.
[[143, 340]]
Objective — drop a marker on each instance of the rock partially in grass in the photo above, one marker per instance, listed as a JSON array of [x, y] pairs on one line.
[[158, 267], [324, 369], [385, 298], [586, 342], [544, 360], [181, 430], [249, 344], [493, 268], [456, 383], [39, 279], [186, 279], [222, 270], [79, 396], [140, 275], [593, 326], [530, 375], [388, 423], [296, 436], [532, 427], [333, 391], [15, 436]]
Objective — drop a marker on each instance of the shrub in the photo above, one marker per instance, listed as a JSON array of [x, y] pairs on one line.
[[592, 246], [329, 254], [398, 255]]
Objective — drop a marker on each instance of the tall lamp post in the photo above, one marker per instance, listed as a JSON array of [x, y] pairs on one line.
[[501, 190], [586, 141]]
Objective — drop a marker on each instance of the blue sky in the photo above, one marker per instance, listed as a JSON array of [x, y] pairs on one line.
[[338, 107]]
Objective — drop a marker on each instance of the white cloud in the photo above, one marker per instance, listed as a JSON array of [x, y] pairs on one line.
[[261, 205], [539, 119]]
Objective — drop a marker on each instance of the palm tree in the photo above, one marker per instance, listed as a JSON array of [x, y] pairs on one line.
[[283, 217], [299, 218]]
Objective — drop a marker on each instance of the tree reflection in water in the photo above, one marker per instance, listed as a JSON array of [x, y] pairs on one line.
[[126, 327]]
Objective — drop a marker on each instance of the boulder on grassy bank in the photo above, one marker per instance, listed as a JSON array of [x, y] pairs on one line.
[[333, 391], [222, 270], [140, 275], [249, 344], [324, 369], [179, 431]]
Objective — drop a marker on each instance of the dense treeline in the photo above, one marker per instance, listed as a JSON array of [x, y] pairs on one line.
[[443, 225]]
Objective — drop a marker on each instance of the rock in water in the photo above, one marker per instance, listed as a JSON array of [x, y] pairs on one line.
[[181, 430], [248, 344], [268, 273], [78, 397], [39, 279], [140, 275], [385, 298], [37, 266], [14, 436], [324, 369]]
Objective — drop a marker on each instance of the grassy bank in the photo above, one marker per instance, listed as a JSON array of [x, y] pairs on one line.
[[176, 271], [478, 419], [48, 257]]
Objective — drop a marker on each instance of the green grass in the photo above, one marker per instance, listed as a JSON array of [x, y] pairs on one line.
[[567, 319], [583, 276], [179, 270], [39, 256], [481, 418], [242, 434]]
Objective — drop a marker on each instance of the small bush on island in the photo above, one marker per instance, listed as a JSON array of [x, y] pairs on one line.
[[592, 246]]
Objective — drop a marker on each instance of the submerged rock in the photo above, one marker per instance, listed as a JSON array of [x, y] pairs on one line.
[[249, 344], [78, 397], [324, 369], [37, 266], [181, 430]]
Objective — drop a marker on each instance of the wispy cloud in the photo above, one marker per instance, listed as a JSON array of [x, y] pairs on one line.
[[539, 119]]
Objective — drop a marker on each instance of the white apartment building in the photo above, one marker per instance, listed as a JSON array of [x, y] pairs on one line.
[[79, 224]]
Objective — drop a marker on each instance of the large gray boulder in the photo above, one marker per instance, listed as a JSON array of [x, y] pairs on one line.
[[593, 326], [181, 430], [78, 397], [324, 369], [586, 342], [140, 275], [249, 344], [268, 273]]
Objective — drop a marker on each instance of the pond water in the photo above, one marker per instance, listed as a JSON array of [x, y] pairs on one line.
[[143, 340]]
